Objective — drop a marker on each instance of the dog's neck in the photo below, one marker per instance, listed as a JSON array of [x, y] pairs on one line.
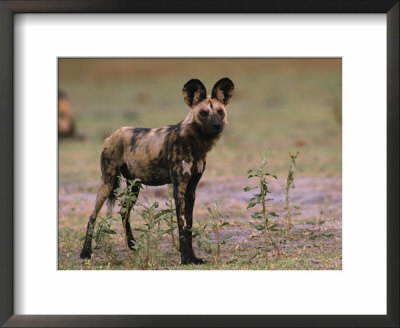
[[201, 144], [204, 143]]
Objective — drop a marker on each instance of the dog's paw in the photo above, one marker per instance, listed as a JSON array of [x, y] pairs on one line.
[[192, 260], [86, 254], [199, 261], [132, 244]]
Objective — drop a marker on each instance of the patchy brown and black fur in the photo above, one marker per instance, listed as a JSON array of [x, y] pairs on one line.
[[174, 154]]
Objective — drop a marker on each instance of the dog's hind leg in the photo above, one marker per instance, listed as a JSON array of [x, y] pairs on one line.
[[111, 197], [110, 205], [127, 226], [102, 194], [128, 230], [110, 162]]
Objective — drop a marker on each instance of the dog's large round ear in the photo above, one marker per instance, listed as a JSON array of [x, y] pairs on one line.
[[223, 90], [194, 92]]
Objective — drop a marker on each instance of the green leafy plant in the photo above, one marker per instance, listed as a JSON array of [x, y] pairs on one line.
[[203, 237], [217, 222], [148, 242], [149, 250], [169, 215], [290, 185], [263, 216], [103, 236], [127, 198], [207, 229]]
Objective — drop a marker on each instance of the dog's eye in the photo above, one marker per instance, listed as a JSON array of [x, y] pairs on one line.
[[203, 113], [221, 112]]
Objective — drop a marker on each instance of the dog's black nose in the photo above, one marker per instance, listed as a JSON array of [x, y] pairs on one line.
[[217, 126]]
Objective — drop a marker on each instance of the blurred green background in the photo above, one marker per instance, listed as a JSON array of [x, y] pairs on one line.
[[279, 106]]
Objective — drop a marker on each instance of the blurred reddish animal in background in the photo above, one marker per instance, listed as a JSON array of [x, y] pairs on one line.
[[66, 120], [66, 124]]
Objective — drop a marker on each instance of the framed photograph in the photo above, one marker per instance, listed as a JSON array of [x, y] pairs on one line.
[[237, 222], [220, 165]]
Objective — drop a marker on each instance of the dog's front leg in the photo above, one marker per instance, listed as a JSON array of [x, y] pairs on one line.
[[179, 196], [190, 198], [180, 180]]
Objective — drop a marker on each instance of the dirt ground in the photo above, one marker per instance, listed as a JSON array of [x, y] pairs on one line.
[[314, 242]]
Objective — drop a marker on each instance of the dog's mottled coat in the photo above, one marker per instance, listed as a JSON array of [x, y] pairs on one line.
[[173, 154]]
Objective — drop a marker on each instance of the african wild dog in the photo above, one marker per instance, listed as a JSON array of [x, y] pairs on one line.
[[66, 122], [174, 154]]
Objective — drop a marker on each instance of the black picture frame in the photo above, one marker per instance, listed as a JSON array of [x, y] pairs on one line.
[[10, 7]]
